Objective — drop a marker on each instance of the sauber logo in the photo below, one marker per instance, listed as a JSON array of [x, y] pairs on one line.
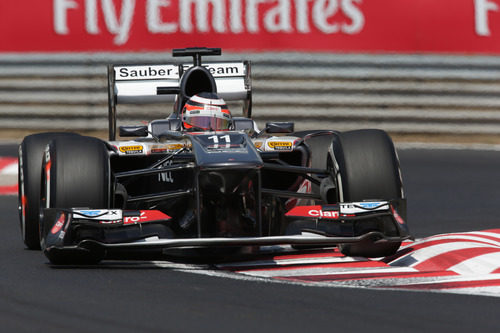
[[151, 72], [165, 72]]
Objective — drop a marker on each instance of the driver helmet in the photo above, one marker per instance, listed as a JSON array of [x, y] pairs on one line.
[[207, 112]]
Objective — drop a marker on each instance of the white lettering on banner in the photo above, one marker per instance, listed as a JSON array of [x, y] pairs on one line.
[[324, 9], [301, 16], [277, 19], [356, 16], [201, 12], [252, 15], [153, 17], [91, 17], [235, 17], [60, 15], [223, 16], [321, 13], [119, 27], [481, 9]]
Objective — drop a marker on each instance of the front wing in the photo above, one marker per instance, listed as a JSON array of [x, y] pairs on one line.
[[129, 229]]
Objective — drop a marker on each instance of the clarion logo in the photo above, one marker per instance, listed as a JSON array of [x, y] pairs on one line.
[[324, 214], [315, 212], [119, 17]]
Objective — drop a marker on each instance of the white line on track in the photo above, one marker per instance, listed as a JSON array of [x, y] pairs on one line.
[[447, 146], [305, 271], [286, 262]]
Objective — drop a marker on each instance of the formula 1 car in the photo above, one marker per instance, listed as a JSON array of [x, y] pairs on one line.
[[82, 199]]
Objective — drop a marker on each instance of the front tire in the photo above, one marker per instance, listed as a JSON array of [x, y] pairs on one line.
[[77, 174], [30, 157], [366, 167]]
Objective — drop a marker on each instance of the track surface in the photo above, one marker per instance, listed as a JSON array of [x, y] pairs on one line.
[[448, 191]]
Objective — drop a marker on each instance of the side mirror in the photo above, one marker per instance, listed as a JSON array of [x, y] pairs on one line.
[[279, 127], [140, 131]]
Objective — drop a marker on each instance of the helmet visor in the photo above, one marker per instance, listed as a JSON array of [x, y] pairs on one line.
[[209, 118], [208, 123]]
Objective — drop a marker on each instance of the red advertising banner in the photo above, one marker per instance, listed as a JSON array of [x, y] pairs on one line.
[[409, 26]]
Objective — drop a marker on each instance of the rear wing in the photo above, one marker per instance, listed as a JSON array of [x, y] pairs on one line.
[[142, 84]]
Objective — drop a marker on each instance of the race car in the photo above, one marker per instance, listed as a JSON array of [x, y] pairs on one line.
[[203, 179]]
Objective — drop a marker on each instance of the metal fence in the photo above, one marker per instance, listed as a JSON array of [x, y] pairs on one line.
[[412, 94]]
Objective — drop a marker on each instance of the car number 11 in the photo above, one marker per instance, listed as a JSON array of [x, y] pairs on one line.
[[216, 139]]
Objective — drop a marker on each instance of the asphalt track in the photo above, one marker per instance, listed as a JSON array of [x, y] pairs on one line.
[[447, 190]]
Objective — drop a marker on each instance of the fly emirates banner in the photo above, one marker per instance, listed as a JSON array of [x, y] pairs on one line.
[[407, 26]]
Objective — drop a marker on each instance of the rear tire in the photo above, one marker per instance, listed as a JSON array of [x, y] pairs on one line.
[[366, 167], [77, 173], [30, 157]]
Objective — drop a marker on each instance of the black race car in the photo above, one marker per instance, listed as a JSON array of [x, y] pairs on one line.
[[82, 199]]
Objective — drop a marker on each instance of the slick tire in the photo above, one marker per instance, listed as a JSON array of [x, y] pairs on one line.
[[77, 173], [366, 167], [30, 157]]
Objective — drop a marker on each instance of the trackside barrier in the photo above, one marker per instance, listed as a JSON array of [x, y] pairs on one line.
[[399, 93]]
